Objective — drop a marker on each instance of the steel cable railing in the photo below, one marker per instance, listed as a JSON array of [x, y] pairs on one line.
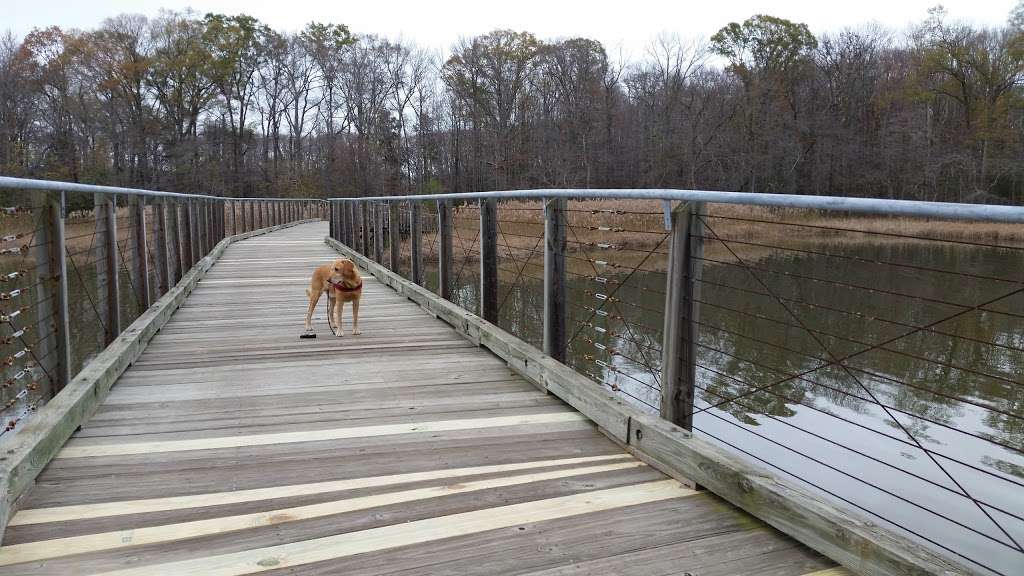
[[797, 313]]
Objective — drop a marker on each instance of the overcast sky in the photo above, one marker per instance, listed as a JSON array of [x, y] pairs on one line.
[[628, 24]]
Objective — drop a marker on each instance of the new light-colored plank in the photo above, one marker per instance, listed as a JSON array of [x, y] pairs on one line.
[[320, 549], [311, 436], [44, 549], [84, 511]]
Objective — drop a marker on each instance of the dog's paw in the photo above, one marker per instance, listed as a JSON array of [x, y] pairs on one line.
[[357, 332], [340, 334]]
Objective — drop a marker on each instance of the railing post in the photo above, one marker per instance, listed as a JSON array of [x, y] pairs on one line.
[[444, 255], [415, 244], [555, 310], [187, 241], [140, 264], [352, 228], [174, 241], [107, 285], [489, 259], [53, 348], [202, 206], [364, 228], [395, 237], [160, 237], [378, 232], [682, 291], [335, 222]]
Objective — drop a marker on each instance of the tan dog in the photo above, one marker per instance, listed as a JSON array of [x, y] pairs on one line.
[[344, 284]]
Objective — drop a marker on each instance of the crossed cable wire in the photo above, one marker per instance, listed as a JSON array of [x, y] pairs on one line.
[[836, 360]]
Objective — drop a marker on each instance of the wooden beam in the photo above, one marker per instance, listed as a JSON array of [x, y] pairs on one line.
[[416, 244], [106, 259], [679, 337], [140, 259], [846, 536], [555, 304], [489, 259], [175, 242], [395, 237], [444, 255], [378, 231]]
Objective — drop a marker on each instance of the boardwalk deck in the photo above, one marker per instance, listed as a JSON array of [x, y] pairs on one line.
[[233, 447]]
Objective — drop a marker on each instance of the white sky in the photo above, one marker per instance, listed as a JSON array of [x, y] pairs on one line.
[[626, 24]]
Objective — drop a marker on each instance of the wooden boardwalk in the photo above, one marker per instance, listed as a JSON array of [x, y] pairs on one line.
[[233, 447]]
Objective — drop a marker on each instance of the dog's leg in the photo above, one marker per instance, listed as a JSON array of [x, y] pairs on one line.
[[314, 297], [339, 309], [355, 318]]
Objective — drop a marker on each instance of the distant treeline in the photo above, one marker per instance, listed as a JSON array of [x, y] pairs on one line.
[[226, 105]]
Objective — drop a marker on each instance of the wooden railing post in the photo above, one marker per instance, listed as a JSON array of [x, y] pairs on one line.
[[140, 263], [187, 241], [52, 347], [353, 224], [489, 259], [395, 237], [333, 224], [364, 227], [555, 306], [107, 285], [444, 255], [378, 232], [415, 245], [175, 242], [160, 237], [682, 291]]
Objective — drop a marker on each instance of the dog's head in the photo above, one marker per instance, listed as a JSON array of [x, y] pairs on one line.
[[344, 267]]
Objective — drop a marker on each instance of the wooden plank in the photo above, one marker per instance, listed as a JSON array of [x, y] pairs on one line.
[[55, 548], [836, 532], [77, 450], [320, 549], [83, 511]]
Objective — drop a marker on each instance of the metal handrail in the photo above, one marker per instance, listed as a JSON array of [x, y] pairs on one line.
[[914, 208], [57, 186]]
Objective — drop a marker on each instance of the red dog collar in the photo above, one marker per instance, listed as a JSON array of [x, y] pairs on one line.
[[344, 288]]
